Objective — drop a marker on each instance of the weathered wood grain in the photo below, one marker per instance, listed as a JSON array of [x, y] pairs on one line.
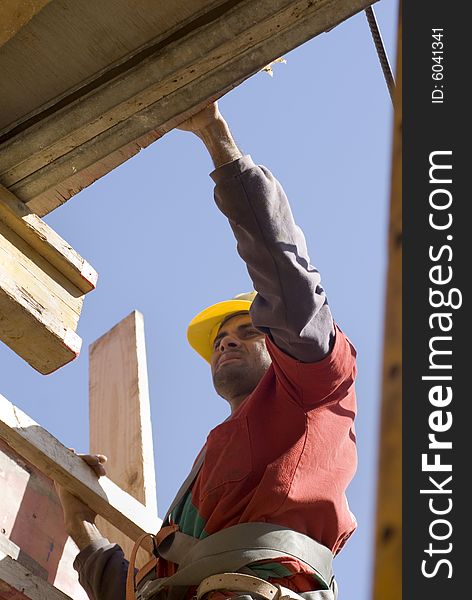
[[42, 238], [119, 410], [42, 286], [29, 327]]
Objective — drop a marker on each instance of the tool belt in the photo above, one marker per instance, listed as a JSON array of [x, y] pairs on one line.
[[225, 554], [251, 586]]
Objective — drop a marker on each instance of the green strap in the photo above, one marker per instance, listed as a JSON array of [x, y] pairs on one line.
[[232, 549]]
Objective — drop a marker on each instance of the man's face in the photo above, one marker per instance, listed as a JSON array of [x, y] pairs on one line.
[[239, 359]]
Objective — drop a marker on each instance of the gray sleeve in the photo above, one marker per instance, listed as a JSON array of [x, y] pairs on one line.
[[290, 305], [102, 570]]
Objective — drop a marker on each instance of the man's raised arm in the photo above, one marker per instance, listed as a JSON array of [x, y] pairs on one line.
[[291, 305]]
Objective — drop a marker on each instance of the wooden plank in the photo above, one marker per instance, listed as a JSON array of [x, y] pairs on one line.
[[14, 14], [42, 286], [46, 242], [53, 158], [29, 321], [388, 541], [17, 583], [38, 279], [32, 520], [53, 459], [119, 409]]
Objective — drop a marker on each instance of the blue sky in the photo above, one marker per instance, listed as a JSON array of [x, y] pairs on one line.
[[322, 125]]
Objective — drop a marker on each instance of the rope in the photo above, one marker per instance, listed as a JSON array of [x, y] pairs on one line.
[[374, 28]]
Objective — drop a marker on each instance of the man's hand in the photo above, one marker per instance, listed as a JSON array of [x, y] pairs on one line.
[[202, 120], [96, 461], [78, 517], [210, 126]]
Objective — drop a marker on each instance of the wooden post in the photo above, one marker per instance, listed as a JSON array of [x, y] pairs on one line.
[[120, 418], [388, 543]]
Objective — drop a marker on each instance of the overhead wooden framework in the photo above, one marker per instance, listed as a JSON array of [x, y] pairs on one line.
[[86, 85], [36, 554]]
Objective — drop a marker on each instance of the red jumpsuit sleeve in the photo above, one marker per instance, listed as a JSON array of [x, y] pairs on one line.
[[330, 379]]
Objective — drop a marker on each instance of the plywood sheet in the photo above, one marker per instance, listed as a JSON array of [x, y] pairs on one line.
[[90, 37]]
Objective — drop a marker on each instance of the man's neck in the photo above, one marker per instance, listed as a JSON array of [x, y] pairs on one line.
[[236, 402]]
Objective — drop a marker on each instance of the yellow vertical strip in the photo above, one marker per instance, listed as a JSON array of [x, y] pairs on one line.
[[388, 540]]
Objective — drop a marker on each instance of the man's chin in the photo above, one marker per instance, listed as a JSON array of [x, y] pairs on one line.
[[230, 374], [230, 369]]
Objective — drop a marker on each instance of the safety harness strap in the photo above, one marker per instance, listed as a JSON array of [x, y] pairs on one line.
[[187, 483], [232, 549]]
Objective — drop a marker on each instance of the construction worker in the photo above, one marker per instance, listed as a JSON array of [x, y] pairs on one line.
[[266, 497]]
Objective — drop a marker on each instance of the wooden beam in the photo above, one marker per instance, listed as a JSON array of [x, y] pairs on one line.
[[14, 14], [119, 409], [55, 154], [47, 243], [42, 286], [388, 542], [17, 582], [53, 459]]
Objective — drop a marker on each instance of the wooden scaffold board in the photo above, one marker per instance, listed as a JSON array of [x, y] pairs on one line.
[[42, 286]]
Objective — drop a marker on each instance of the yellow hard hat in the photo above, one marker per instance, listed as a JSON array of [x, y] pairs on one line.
[[203, 328]]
